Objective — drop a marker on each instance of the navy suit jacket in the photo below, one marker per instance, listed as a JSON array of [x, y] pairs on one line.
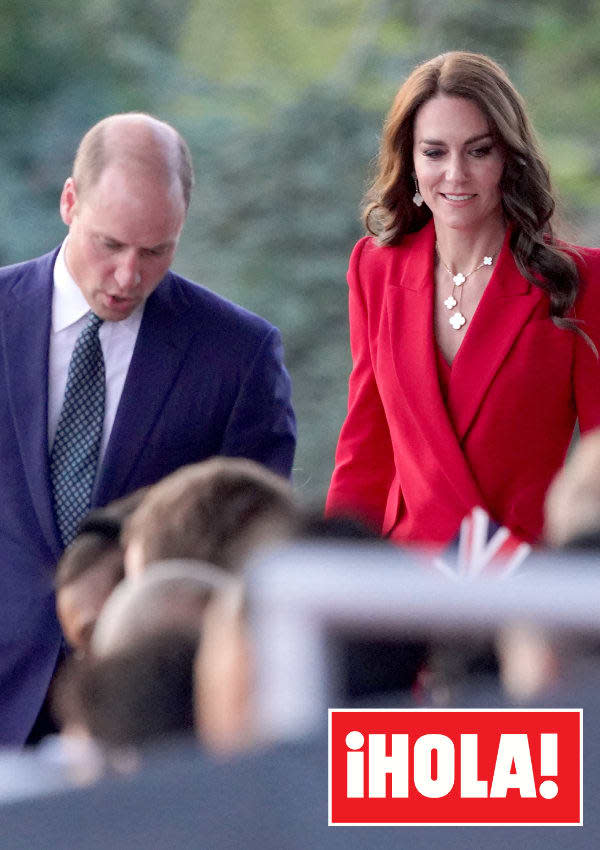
[[206, 378]]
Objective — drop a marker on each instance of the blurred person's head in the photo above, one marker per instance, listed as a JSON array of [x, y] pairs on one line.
[[125, 205], [172, 594], [108, 520], [87, 573], [218, 511], [138, 695], [572, 509], [90, 568]]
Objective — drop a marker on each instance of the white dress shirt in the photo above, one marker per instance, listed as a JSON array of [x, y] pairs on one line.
[[69, 317]]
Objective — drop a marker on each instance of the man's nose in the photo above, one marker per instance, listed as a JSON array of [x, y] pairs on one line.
[[127, 272]]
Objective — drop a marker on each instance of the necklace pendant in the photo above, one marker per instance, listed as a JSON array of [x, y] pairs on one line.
[[487, 261], [459, 279], [457, 320], [450, 302]]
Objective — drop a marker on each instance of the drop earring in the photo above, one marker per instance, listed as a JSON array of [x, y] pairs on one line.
[[417, 197]]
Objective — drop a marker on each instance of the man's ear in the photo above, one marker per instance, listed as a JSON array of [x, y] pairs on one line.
[[68, 201]]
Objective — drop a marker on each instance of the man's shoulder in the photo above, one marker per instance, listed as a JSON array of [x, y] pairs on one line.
[[222, 312], [26, 271]]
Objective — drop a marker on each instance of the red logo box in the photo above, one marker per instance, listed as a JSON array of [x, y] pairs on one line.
[[452, 767]]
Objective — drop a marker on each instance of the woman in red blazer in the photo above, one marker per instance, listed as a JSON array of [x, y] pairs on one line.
[[473, 330]]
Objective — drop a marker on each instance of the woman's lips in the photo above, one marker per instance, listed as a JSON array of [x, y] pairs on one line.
[[456, 198]]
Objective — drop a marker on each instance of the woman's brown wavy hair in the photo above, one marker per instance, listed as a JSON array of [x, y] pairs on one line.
[[527, 196]]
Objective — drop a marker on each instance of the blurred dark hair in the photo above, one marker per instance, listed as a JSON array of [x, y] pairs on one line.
[[109, 520], [140, 695], [86, 552], [98, 541], [215, 511]]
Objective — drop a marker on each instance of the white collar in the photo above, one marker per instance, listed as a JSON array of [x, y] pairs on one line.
[[68, 301]]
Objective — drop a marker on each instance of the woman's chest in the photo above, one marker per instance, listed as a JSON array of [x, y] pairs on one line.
[[511, 353], [454, 309]]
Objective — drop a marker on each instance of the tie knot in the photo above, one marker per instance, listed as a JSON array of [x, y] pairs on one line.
[[94, 321]]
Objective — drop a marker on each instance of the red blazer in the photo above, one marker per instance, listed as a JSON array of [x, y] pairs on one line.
[[415, 465]]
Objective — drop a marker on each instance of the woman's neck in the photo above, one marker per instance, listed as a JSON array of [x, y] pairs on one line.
[[463, 250]]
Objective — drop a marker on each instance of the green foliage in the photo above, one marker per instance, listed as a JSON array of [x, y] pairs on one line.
[[275, 216], [281, 46], [63, 66]]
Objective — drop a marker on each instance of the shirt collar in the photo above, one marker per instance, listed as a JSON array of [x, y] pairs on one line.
[[69, 304], [68, 301]]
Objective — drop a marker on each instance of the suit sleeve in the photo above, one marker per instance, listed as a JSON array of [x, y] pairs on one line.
[[586, 376], [364, 462], [262, 425]]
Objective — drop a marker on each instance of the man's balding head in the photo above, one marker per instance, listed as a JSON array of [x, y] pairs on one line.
[[140, 143], [125, 207]]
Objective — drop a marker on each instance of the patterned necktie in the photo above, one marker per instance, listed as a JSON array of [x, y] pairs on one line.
[[74, 456]]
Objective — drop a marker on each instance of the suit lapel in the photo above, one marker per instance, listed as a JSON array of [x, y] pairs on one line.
[[164, 336], [504, 309], [410, 299], [25, 329]]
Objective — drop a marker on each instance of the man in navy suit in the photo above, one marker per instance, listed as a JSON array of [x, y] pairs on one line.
[[188, 375]]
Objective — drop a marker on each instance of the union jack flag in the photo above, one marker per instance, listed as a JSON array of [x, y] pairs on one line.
[[482, 548]]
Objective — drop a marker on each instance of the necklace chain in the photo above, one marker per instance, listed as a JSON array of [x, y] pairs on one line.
[[457, 320], [485, 262]]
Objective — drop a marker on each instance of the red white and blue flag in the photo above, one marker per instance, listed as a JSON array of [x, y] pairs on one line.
[[482, 548]]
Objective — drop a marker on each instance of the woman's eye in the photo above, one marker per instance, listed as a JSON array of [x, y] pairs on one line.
[[433, 153], [479, 152]]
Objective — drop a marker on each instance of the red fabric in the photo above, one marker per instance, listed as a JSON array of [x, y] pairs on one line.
[[415, 465]]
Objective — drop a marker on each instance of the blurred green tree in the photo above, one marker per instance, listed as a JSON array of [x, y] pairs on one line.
[[63, 66], [278, 243]]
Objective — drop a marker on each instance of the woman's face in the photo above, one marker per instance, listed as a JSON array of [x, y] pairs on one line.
[[457, 163]]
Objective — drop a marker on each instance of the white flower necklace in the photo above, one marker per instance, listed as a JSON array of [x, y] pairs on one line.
[[457, 320]]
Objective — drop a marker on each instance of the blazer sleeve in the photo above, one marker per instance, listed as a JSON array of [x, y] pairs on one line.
[[262, 425], [364, 461], [586, 377]]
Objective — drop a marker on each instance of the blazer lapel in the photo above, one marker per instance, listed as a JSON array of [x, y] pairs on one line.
[[164, 336], [25, 329], [504, 309], [410, 315]]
